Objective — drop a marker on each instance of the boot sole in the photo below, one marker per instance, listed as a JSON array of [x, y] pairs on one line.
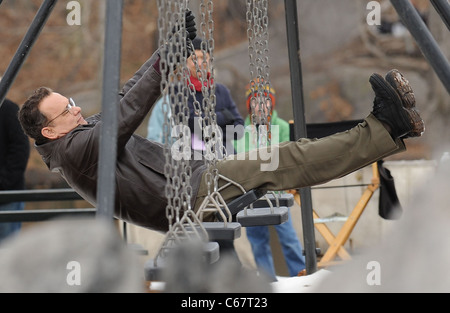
[[404, 90], [402, 112], [401, 84]]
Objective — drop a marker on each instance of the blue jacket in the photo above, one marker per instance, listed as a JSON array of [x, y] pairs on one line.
[[226, 113]]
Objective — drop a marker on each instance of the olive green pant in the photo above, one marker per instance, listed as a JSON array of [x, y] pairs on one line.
[[306, 162]]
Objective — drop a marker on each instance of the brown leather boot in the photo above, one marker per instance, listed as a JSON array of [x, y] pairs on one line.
[[402, 119], [404, 90]]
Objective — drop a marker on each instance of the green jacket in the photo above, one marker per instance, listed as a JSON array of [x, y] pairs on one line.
[[249, 139]]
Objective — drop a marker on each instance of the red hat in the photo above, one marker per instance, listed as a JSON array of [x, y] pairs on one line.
[[253, 87]]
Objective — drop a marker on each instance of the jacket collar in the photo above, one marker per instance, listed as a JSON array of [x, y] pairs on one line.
[[47, 149]]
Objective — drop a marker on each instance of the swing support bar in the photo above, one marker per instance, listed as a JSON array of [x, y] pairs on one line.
[[423, 37], [300, 130], [25, 47]]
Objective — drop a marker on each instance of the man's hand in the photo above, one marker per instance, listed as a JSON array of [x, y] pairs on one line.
[[191, 33]]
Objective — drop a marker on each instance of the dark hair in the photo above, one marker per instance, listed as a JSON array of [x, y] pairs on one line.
[[31, 119]]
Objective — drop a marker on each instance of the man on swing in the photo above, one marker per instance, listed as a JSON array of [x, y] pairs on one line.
[[69, 144]]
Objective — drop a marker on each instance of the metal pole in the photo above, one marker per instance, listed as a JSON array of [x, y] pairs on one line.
[[424, 39], [443, 8], [25, 46], [111, 81], [300, 130]]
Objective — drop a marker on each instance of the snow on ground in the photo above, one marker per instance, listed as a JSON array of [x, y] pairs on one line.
[[297, 284], [300, 284]]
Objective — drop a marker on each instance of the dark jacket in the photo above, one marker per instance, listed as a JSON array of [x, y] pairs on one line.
[[226, 111], [140, 182], [14, 148]]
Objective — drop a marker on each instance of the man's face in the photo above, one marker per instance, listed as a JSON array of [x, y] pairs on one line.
[[62, 116], [201, 63]]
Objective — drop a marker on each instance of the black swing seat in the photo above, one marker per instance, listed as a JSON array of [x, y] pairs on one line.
[[284, 199], [154, 272], [241, 202], [263, 216], [220, 231]]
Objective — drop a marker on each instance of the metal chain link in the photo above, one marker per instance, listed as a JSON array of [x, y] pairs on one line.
[[206, 114], [174, 89], [258, 48], [205, 111]]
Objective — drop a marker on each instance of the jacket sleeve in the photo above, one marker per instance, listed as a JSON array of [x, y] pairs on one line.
[[17, 151], [138, 96], [152, 61]]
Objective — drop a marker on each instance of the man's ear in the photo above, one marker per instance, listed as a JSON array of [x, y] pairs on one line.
[[48, 132]]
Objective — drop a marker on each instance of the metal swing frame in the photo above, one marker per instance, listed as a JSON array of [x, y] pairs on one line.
[[336, 242], [106, 187]]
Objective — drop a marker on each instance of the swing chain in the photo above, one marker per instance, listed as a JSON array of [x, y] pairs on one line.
[[177, 170], [258, 48], [205, 111]]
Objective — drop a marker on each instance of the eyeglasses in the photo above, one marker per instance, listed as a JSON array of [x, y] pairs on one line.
[[69, 107]]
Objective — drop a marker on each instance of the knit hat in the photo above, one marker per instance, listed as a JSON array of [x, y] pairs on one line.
[[197, 42], [253, 86]]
